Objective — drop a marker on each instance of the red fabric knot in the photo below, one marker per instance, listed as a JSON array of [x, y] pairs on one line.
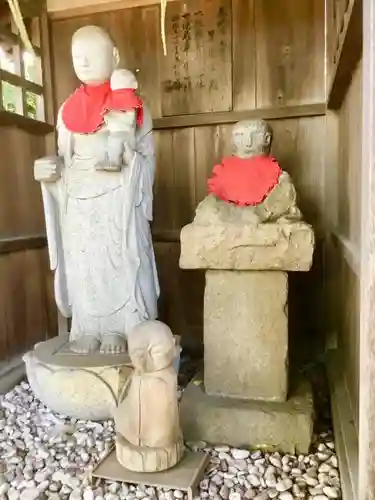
[[84, 111], [244, 181]]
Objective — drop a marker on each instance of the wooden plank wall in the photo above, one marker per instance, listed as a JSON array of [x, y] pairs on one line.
[[26, 307], [226, 58], [343, 184]]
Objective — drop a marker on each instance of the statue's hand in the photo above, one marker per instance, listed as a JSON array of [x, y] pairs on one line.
[[47, 169]]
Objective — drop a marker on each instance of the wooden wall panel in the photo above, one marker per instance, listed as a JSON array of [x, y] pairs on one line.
[[299, 146], [289, 52], [21, 210], [175, 179], [27, 309], [343, 201], [221, 55], [244, 55], [349, 179], [181, 299], [23, 304], [197, 71]]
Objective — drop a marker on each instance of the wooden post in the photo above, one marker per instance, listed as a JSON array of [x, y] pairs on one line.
[[367, 275]]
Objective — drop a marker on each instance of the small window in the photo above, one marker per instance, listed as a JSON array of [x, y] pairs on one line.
[[32, 67], [21, 72], [34, 104], [12, 98], [10, 59]]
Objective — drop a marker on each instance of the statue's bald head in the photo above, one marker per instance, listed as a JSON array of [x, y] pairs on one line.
[[92, 33], [94, 54], [251, 138]]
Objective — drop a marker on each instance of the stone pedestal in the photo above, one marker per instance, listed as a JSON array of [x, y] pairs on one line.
[[79, 386], [243, 397], [246, 334], [286, 427]]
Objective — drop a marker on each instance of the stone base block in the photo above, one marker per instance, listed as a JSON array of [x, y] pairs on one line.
[[185, 476], [79, 386], [285, 427], [246, 334], [272, 246]]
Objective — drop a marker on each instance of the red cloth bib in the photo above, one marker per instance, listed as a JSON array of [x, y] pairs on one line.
[[244, 181], [84, 111]]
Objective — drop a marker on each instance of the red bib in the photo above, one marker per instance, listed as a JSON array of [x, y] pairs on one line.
[[84, 111], [244, 181]]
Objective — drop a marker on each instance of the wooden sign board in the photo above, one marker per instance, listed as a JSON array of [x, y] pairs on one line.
[[197, 70]]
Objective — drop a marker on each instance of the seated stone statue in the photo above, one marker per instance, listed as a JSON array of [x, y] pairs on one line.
[[249, 187], [148, 432]]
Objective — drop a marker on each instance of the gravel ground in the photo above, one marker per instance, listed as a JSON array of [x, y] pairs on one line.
[[46, 456]]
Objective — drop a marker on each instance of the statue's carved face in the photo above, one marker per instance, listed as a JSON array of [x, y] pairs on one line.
[[251, 139], [94, 55], [151, 346]]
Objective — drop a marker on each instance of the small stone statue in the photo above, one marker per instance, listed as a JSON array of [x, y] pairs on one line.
[[250, 181], [149, 438], [122, 124]]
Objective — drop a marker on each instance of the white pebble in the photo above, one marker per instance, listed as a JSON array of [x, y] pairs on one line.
[[331, 492], [240, 454], [284, 485], [254, 480], [286, 495], [235, 496]]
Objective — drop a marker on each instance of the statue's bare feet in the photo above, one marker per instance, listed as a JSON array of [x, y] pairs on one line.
[[85, 345], [113, 344]]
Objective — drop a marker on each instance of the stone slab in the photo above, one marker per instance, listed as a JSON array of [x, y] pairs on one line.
[[285, 427], [79, 386], [185, 476], [270, 246], [246, 334]]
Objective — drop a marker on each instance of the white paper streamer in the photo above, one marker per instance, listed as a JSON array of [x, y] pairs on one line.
[[163, 12]]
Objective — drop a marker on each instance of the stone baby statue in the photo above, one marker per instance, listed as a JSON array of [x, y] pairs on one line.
[[122, 123], [148, 432], [250, 180]]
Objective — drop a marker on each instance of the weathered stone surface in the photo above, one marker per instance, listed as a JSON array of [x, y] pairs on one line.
[[246, 334], [286, 427], [237, 241], [80, 386]]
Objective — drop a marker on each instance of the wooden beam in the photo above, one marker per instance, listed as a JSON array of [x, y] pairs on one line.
[[18, 81], [35, 127], [203, 119], [366, 467], [346, 435], [57, 10], [47, 74], [348, 55], [22, 243]]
